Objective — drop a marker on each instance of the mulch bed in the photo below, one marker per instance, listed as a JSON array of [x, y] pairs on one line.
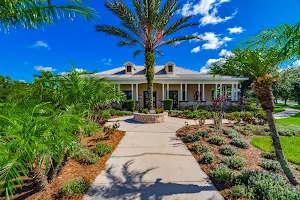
[[251, 155], [73, 169]]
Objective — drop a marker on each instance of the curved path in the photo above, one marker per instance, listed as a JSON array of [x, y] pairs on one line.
[[151, 163], [287, 113]]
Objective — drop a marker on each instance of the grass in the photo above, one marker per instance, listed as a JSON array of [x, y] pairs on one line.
[[295, 107], [278, 110], [294, 120], [290, 145], [282, 105]]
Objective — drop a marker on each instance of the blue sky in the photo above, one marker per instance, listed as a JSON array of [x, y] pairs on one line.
[[23, 52]]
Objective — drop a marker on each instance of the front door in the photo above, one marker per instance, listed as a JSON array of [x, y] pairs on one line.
[[146, 99], [174, 96]]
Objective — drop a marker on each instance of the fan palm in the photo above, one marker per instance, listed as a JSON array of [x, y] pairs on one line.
[[258, 64], [147, 28], [33, 14], [285, 37]]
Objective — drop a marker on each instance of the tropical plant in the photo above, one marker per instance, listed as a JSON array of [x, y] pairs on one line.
[[148, 28], [31, 14], [258, 64]]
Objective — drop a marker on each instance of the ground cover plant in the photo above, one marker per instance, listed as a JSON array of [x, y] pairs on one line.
[[290, 146]]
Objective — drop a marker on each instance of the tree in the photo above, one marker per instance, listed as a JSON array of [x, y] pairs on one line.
[[147, 28], [258, 64], [296, 92], [32, 14]]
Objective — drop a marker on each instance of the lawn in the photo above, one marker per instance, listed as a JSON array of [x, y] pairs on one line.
[[278, 110], [294, 120], [290, 146], [281, 105]]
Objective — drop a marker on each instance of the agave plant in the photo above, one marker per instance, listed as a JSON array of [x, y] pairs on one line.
[[147, 28], [32, 14]]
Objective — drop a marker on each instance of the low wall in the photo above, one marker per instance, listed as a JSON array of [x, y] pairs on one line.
[[150, 118]]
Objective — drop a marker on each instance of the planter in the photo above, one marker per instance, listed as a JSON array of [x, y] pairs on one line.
[[150, 118]]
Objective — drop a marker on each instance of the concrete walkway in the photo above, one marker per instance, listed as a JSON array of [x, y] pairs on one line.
[[151, 163], [287, 113]]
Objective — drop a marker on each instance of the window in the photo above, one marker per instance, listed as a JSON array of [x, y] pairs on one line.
[[170, 68], [128, 95], [128, 69], [183, 96]]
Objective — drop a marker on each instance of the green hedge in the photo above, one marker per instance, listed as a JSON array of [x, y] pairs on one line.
[[130, 105], [168, 104]]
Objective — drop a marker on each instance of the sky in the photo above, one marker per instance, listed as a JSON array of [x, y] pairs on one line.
[[223, 25]]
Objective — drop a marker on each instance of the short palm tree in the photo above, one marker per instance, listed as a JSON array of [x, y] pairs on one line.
[[32, 14], [147, 28], [258, 64]]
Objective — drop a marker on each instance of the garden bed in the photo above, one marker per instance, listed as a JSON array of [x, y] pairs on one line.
[[150, 118], [73, 169], [252, 157]]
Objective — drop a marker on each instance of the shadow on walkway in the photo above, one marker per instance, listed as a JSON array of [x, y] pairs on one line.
[[131, 186]]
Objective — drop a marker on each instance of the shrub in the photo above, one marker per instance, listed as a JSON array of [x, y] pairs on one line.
[[240, 143], [217, 140], [288, 130], [203, 133], [168, 104], [268, 155], [234, 162], [234, 135], [264, 185], [271, 165], [209, 157], [102, 149], [192, 138], [159, 110], [84, 156], [228, 151], [199, 148], [143, 110], [222, 174], [239, 191], [75, 186], [229, 131], [130, 104], [89, 128]]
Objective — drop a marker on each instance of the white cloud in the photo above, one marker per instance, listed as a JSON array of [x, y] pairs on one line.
[[236, 30], [22, 81], [46, 69], [76, 69], [296, 63], [208, 9], [40, 44], [106, 61], [225, 53], [213, 41], [205, 69], [196, 49]]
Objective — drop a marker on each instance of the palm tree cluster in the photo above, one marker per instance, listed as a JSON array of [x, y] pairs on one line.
[[147, 28]]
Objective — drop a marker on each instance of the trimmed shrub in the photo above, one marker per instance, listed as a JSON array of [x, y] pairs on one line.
[[271, 165], [102, 149], [75, 186], [84, 156], [234, 162], [222, 174], [228, 151], [264, 185], [288, 130], [239, 191], [217, 140], [268, 155], [199, 148], [168, 104], [209, 157], [130, 104], [240, 143]]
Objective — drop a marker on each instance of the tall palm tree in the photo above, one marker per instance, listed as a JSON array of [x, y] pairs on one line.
[[258, 64], [148, 27], [32, 14]]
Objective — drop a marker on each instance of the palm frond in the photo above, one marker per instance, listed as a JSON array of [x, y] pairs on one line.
[[173, 41], [136, 53]]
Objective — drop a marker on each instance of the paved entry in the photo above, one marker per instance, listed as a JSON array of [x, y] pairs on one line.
[[152, 163]]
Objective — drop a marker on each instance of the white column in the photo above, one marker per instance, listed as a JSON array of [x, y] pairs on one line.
[[132, 92], [168, 88], [163, 92], [186, 92], [216, 91], [203, 92], [232, 92], [119, 88], [226, 90], [181, 94], [137, 92], [221, 91], [237, 92], [199, 91]]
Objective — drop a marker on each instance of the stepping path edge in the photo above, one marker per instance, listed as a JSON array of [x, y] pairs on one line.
[[152, 163]]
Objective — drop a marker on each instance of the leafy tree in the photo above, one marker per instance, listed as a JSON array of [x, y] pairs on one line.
[[148, 27], [32, 14], [296, 92], [258, 64]]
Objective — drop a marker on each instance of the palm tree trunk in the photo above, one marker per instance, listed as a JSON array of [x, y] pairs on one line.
[[278, 148], [150, 67]]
